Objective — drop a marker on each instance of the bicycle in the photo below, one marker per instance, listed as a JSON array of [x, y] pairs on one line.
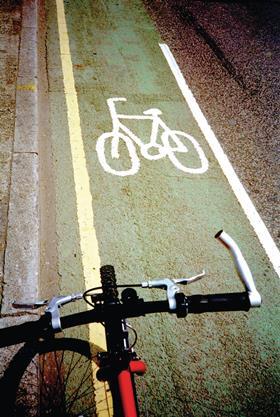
[[59, 394], [152, 150]]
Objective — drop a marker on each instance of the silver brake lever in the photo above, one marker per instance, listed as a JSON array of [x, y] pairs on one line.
[[55, 304], [53, 307], [170, 286], [30, 306], [185, 281]]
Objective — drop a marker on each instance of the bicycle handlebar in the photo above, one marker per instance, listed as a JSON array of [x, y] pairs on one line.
[[42, 328], [176, 302]]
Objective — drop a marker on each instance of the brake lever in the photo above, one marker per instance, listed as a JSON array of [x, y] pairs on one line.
[[190, 280], [54, 306], [170, 286], [30, 306]]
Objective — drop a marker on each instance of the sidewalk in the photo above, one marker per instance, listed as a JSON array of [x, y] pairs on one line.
[[19, 191]]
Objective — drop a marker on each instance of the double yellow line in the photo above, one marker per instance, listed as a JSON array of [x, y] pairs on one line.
[[88, 239]]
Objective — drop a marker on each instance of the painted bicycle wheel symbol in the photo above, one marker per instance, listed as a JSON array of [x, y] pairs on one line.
[[169, 143]]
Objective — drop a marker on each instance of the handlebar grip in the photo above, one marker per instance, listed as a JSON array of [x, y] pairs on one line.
[[24, 332], [218, 302]]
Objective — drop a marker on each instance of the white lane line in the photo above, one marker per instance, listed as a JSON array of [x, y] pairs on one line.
[[248, 207]]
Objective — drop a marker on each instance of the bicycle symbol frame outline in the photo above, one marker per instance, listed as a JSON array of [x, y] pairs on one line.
[[122, 132]]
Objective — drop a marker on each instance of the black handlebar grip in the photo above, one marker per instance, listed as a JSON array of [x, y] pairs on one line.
[[109, 283], [25, 332], [218, 302]]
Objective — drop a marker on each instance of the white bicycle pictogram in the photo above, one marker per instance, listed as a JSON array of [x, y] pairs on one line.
[[120, 132]]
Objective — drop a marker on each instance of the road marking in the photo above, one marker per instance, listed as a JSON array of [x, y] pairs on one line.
[[26, 87], [163, 149], [88, 239], [248, 207]]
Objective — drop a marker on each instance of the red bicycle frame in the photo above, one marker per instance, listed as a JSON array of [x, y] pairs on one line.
[[127, 388]]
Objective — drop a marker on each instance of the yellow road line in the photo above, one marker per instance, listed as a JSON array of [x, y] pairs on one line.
[[88, 239], [26, 87]]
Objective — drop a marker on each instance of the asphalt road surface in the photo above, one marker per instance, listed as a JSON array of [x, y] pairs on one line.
[[153, 211]]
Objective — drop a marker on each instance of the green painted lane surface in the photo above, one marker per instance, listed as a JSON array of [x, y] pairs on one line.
[[160, 222]]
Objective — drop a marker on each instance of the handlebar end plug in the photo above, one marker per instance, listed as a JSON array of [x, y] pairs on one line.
[[255, 298]]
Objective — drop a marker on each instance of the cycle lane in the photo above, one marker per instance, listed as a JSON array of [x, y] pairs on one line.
[[158, 222]]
